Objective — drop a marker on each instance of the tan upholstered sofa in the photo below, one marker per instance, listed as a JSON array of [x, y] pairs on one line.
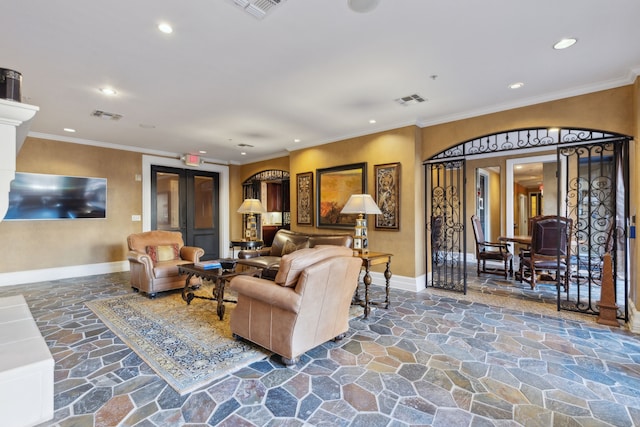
[[306, 305], [285, 242], [154, 257]]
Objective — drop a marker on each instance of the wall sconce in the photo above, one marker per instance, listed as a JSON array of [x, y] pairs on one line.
[[251, 207], [362, 204]]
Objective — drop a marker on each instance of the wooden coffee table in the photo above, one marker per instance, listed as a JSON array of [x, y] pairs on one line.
[[218, 277]]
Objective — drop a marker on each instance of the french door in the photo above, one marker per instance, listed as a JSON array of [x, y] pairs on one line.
[[187, 201]]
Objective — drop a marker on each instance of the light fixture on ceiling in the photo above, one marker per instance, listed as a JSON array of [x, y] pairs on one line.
[[165, 28], [362, 6], [107, 91], [372, 121], [565, 43], [517, 85], [69, 130]]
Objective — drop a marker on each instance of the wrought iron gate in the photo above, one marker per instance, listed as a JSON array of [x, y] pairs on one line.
[[591, 192], [446, 225], [596, 185]]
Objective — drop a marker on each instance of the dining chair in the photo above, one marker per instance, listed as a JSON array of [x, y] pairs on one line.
[[549, 252], [491, 251]]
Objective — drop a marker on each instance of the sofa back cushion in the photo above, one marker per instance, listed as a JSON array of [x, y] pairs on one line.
[[331, 239], [294, 263], [299, 241], [139, 241]]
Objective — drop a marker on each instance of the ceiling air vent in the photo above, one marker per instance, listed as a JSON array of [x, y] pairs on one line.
[[410, 100], [106, 116], [257, 8]]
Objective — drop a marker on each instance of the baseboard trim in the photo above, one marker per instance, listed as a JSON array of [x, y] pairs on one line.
[[413, 284], [634, 318], [44, 274]]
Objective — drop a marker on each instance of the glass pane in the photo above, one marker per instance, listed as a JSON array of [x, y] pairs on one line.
[[168, 201], [203, 201]]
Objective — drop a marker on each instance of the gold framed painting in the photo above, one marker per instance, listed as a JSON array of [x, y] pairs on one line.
[[388, 196], [335, 186], [304, 198]]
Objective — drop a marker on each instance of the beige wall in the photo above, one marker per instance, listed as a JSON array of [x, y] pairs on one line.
[[32, 245], [398, 145]]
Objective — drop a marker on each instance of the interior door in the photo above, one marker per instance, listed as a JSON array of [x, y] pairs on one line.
[[187, 200]]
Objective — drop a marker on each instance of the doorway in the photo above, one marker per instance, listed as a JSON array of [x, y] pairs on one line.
[[187, 201], [585, 180]]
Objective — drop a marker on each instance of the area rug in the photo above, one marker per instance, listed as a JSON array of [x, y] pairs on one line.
[[186, 345]]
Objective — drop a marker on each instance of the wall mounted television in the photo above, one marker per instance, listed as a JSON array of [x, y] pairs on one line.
[[47, 197]]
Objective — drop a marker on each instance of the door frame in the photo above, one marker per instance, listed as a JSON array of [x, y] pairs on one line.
[[222, 170]]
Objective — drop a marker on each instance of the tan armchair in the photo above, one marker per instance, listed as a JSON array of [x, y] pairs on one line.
[[154, 257], [306, 305]]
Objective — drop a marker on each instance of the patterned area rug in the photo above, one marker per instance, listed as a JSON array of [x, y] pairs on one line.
[[186, 345]]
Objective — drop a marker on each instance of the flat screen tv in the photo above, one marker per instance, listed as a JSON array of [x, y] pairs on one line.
[[42, 197]]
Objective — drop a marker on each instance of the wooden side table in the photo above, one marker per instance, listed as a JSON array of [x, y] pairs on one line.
[[370, 259]]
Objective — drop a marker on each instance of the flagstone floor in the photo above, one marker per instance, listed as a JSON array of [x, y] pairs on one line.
[[499, 356]]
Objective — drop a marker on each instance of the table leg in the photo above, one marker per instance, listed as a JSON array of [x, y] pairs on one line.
[[187, 296], [219, 295], [387, 276], [367, 282]]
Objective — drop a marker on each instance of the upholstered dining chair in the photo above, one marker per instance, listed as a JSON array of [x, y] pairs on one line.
[[491, 251], [550, 251]]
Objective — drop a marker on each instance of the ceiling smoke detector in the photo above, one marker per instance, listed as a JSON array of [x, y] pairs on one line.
[[106, 116], [257, 8], [410, 100]]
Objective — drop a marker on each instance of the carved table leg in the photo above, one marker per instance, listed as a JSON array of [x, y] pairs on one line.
[[367, 282], [387, 276]]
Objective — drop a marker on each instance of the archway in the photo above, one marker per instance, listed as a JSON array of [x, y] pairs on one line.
[[272, 187], [590, 188]]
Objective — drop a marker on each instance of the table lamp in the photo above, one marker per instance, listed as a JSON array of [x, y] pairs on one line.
[[251, 207], [362, 204]]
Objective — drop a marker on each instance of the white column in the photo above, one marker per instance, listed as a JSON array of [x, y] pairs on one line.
[[15, 119]]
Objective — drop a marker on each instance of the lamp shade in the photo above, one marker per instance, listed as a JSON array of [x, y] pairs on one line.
[[361, 204], [251, 206]]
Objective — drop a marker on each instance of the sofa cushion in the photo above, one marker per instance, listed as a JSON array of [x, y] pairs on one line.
[[294, 263], [161, 253]]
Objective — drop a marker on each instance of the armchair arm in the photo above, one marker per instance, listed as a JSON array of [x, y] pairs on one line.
[[253, 253], [503, 247], [191, 253], [140, 258], [267, 292]]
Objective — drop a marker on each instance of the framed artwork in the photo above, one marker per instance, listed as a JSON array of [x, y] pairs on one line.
[[304, 198], [335, 185], [388, 196]]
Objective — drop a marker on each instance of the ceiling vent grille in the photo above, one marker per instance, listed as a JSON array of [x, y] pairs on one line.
[[106, 116], [410, 100], [257, 8]]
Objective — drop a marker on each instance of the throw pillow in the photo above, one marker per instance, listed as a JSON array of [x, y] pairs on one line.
[[162, 253], [289, 247]]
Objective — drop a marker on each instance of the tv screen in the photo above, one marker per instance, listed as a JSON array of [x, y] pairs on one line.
[[41, 197]]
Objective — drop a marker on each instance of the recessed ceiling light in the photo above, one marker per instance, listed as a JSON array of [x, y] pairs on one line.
[[372, 121], [243, 153], [517, 85], [565, 43], [69, 130], [296, 140], [165, 28], [202, 152], [107, 91]]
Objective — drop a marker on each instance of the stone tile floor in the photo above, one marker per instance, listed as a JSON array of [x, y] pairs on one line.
[[496, 357]]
